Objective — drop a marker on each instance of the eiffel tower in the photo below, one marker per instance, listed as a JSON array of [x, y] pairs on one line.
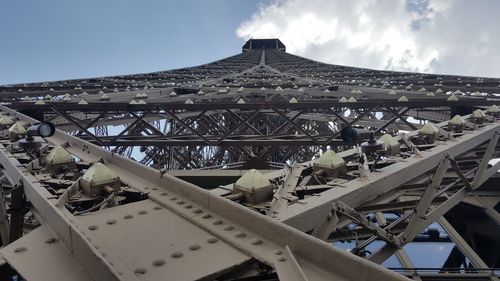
[[260, 166]]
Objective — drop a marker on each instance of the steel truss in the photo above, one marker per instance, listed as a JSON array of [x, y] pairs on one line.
[[90, 246], [208, 125], [209, 134]]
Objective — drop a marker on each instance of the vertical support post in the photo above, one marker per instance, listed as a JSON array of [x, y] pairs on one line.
[[478, 178], [4, 222], [401, 255], [430, 193], [324, 230], [18, 202], [406, 262]]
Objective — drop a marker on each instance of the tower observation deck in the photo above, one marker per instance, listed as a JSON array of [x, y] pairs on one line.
[[237, 170], [253, 44]]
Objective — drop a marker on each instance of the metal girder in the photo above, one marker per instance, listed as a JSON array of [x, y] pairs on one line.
[[284, 194], [213, 127], [311, 105], [345, 210], [425, 202], [356, 192], [251, 142], [462, 244], [107, 246], [4, 221], [247, 140], [424, 215], [462, 154]]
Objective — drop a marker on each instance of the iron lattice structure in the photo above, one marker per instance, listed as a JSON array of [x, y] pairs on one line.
[[206, 126]]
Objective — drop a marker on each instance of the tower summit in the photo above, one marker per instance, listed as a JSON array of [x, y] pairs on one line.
[[274, 43]]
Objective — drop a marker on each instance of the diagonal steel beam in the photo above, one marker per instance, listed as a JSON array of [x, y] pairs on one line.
[[242, 123], [67, 117], [395, 112], [299, 128]]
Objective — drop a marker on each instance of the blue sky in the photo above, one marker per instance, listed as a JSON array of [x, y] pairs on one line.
[[61, 39]]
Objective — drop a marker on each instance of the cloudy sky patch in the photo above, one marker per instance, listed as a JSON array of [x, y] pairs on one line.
[[438, 36]]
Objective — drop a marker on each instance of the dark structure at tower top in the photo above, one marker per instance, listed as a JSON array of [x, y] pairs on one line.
[[264, 44]]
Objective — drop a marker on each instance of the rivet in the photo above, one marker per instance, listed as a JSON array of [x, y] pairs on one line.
[[229, 227], [154, 188], [217, 222], [173, 198], [256, 241], [140, 271], [93, 227], [157, 208], [197, 211], [159, 262], [177, 254], [163, 194], [207, 216], [212, 240], [194, 247], [20, 249], [282, 259], [127, 217], [277, 252], [146, 188], [188, 206], [142, 212], [241, 235], [180, 202], [51, 240], [111, 222]]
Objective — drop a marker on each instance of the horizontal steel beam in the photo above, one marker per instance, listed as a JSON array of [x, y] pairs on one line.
[[311, 105]]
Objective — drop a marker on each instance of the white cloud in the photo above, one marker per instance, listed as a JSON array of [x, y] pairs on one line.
[[439, 36]]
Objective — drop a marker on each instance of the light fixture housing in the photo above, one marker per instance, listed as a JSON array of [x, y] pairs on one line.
[[43, 129]]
